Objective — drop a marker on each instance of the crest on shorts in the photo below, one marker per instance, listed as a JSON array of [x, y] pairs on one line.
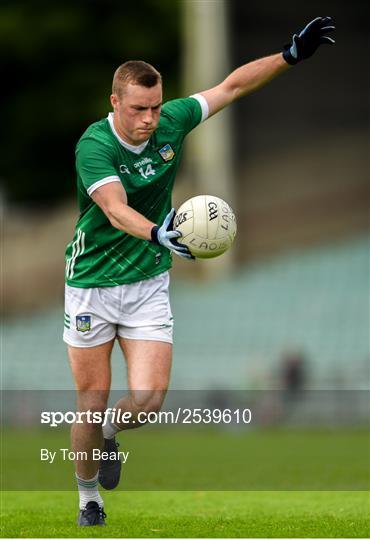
[[83, 323], [166, 152]]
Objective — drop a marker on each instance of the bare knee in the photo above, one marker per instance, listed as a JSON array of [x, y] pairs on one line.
[[147, 401], [91, 405]]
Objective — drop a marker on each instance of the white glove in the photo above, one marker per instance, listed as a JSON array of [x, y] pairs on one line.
[[166, 236]]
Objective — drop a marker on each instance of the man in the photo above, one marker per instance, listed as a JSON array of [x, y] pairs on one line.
[[117, 264]]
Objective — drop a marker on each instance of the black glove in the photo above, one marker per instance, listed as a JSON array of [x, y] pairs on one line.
[[308, 40]]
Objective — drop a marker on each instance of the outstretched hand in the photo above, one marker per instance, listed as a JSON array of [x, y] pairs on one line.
[[305, 43], [167, 237]]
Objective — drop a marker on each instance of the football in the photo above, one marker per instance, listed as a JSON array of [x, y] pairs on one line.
[[207, 225]]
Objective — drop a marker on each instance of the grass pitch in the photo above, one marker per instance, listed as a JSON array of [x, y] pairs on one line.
[[322, 462], [191, 514], [202, 460]]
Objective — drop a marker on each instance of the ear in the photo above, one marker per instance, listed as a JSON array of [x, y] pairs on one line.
[[114, 101]]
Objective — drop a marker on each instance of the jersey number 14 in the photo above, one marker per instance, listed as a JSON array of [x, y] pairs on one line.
[[148, 171]]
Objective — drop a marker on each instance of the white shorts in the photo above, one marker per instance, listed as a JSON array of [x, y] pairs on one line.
[[135, 311]]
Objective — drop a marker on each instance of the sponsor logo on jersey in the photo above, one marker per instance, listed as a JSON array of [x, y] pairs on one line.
[[124, 169], [142, 162], [83, 323], [158, 257], [166, 152]]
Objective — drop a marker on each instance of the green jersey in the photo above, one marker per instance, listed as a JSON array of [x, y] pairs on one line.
[[101, 255]]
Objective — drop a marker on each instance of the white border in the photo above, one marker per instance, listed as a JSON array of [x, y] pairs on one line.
[[203, 104], [102, 182]]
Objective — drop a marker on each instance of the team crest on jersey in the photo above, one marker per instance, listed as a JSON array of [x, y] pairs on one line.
[[83, 323], [166, 152]]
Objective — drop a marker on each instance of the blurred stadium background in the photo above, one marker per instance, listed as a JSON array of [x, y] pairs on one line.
[[292, 300]]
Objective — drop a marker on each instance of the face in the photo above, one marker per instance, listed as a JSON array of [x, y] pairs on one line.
[[136, 114]]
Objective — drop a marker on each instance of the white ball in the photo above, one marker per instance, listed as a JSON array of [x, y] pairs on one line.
[[207, 225]]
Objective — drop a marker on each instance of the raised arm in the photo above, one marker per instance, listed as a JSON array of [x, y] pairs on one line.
[[254, 75], [243, 81]]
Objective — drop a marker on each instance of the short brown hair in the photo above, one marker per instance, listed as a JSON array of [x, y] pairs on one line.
[[135, 72]]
